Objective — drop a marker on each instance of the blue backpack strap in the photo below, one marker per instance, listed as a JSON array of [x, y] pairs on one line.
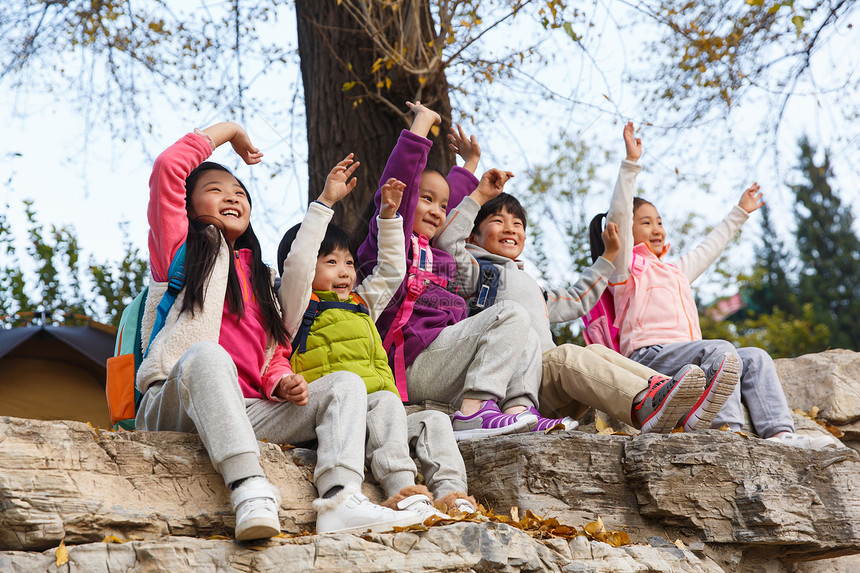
[[138, 356], [175, 282], [315, 308], [488, 286]]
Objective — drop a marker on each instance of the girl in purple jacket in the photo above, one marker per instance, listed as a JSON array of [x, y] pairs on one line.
[[488, 365]]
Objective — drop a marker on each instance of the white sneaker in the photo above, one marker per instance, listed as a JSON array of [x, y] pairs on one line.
[[421, 505], [256, 502], [808, 442], [464, 505], [353, 512]]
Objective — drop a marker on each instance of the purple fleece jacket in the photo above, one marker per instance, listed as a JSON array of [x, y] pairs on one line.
[[436, 308]]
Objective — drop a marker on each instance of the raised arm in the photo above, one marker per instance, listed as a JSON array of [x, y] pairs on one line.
[[564, 305], [695, 262], [300, 265], [621, 204], [406, 163], [390, 270]]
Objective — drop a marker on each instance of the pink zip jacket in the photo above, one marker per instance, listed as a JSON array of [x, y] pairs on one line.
[[653, 300]]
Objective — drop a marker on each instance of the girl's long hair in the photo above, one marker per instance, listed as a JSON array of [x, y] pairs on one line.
[[595, 229], [202, 246]]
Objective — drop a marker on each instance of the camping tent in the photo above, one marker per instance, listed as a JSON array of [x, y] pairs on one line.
[[55, 372]]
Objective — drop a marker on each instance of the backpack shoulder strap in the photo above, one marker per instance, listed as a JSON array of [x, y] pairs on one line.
[[488, 286], [175, 282], [317, 307]]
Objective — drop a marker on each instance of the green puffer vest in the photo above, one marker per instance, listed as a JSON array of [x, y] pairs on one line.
[[344, 340]]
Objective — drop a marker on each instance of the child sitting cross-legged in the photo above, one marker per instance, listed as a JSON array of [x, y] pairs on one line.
[[574, 378], [337, 333]]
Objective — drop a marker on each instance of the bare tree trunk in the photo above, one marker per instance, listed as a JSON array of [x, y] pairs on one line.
[[340, 122]]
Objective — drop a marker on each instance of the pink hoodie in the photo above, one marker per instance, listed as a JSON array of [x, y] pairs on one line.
[[246, 340]]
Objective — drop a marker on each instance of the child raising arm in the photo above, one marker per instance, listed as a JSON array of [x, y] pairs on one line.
[[659, 323]]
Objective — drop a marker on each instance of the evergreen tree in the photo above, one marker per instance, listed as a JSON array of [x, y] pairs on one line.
[[769, 289], [829, 252]]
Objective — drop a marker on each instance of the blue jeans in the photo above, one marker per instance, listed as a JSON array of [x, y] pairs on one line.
[[759, 386]]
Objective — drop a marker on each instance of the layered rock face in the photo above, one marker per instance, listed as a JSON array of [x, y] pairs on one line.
[[712, 501]]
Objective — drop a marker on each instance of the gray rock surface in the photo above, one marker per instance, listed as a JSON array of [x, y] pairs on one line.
[[713, 501]]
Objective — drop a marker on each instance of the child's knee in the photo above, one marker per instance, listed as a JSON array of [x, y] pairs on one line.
[[345, 384]]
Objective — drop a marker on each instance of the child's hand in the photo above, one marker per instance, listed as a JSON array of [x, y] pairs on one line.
[[632, 143], [491, 185], [244, 148], [611, 241], [751, 199], [465, 147], [338, 183], [425, 118], [392, 193], [293, 388]]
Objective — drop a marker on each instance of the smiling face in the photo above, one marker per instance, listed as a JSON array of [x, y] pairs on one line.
[[219, 198], [648, 228], [335, 272], [433, 192], [502, 234]]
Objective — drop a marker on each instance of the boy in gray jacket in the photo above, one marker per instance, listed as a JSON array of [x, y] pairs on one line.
[[490, 225]]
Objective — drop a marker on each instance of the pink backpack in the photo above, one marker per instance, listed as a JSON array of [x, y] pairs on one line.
[[601, 324]]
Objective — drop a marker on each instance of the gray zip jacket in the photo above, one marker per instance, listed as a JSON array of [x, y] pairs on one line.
[[515, 284]]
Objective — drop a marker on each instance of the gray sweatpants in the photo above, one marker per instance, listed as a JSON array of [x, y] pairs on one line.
[[387, 446], [431, 437], [759, 386], [494, 355], [202, 394]]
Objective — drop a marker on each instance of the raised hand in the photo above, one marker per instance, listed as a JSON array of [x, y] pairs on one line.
[[244, 148], [392, 194], [491, 185], [632, 143], [465, 147], [425, 118], [611, 242], [338, 183], [293, 388], [751, 199]]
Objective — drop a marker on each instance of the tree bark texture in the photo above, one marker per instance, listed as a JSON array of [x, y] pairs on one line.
[[333, 51]]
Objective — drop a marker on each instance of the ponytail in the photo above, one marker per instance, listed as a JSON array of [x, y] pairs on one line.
[[595, 238]]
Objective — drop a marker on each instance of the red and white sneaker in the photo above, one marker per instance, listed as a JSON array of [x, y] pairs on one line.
[[668, 399], [722, 377]]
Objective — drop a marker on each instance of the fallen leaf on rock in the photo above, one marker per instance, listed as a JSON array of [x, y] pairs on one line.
[[724, 428], [113, 539], [62, 554], [678, 430], [813, 415], [602, 427], [515, 513], [219, 538]]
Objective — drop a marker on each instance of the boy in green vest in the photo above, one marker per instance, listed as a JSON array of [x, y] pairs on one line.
[[338, 332]]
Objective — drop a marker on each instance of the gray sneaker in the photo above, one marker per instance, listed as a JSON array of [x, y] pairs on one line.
[[669, 398]]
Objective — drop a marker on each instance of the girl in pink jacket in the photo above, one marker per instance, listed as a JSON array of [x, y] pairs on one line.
[[657, 317]]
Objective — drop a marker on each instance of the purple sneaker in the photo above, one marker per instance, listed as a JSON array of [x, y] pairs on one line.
[[490, 421], [545, 424]]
